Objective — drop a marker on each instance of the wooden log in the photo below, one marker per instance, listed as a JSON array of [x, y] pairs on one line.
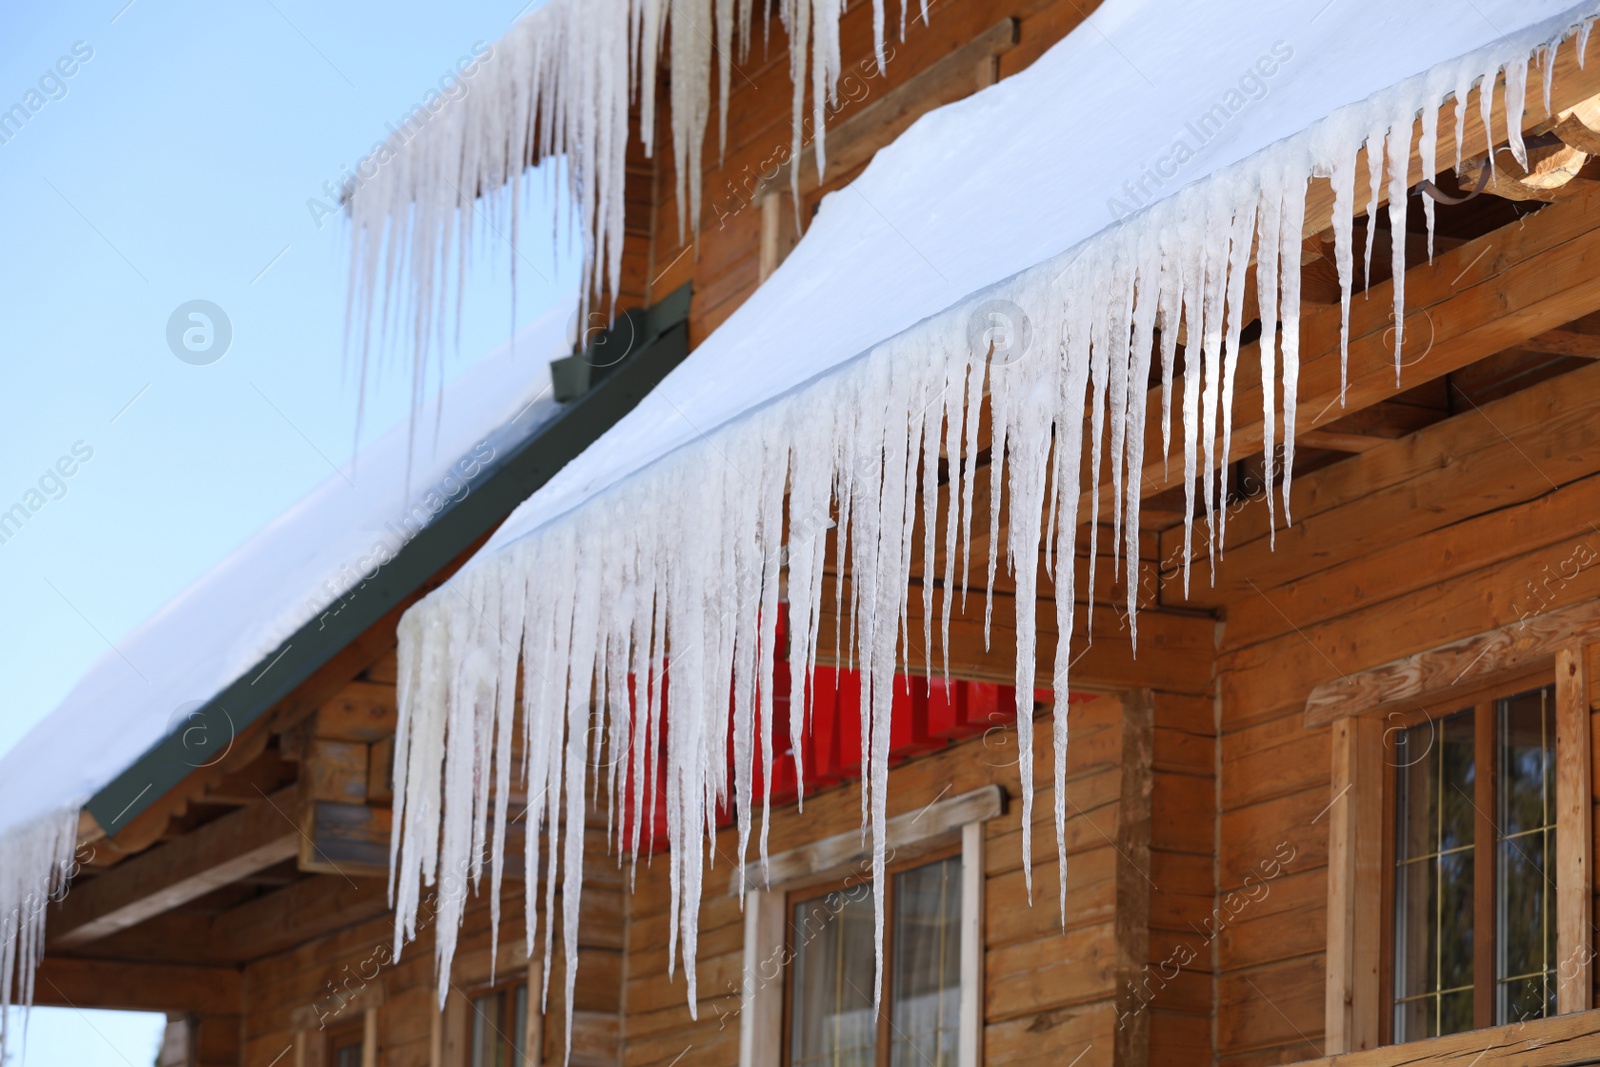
[[1477, 660], [1355, 886], [69, 982], [295, 914], [1574, 834], [1555, 1042], [362, 711], [906, 835], [220, 852]]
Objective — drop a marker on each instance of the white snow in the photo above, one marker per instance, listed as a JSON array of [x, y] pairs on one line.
[[987, 222], [236, 617]]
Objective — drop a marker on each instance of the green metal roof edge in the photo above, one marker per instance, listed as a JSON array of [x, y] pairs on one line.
[[665, 333]]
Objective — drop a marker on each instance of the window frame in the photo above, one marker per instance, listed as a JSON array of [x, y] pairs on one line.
[[1483, 704], [815, 889], [1362, 710], [352, 1032], [507, 985], [937, 830]]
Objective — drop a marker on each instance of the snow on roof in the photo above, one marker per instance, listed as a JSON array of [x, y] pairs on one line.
[[1037, 234], [236, 616]]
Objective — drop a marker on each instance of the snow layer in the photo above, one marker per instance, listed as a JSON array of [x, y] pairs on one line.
[[303, 565], [977, 252]]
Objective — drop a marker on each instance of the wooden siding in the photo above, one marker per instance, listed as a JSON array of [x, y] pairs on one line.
[[1446, 533]]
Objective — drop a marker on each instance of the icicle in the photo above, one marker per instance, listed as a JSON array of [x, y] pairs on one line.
[[1343, 180], [1516, 95], [1290, 227], [560, 83], [597, 606], [1486, 109], [1240, 246], [1399, 142], [1375, 138], [1267, 238], [1427, 149], [38, 866]]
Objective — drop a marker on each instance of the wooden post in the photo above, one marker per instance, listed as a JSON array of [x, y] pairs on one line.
[[974, 869], [1355, 886], [1131, 1039], [533, 1034], [369, 1037], [1574, 836], [778, 233], [761, 989]]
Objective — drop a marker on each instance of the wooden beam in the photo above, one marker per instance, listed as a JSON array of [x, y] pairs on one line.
[[1560, 1041], [1175, 651], [907, 834], [220, 852], [1476, 660], [115, 985], [1565, 343], [1334, 441], [1574, 835], [307, 909], [1355, 885]]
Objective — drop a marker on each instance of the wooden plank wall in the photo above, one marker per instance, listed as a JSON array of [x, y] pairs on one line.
[[1050, 993], [1467, 525], [328, 981], [725, 265]]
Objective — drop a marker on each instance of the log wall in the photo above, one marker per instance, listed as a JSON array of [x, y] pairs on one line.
[[1050, 993], [1449, 532]]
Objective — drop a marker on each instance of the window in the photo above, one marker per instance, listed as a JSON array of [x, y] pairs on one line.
[[345, 1047], [830, 1019], [1473, 871], [499, 1024]]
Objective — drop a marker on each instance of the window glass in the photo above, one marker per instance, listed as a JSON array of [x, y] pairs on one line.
[[499, 1021], [1525, 986], [833, 971], [925, 1000], [1434, 854], [1474, 877], [833, 949], [347, 1055]]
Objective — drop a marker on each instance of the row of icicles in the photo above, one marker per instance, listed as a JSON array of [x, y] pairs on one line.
[[688, 562]]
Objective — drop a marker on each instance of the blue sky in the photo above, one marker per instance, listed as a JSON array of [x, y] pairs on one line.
[[175, 164]]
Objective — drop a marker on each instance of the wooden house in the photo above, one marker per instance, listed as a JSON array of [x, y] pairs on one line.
[[1337, 808]]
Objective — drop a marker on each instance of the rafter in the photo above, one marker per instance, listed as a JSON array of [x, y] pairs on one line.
[[179, 871]]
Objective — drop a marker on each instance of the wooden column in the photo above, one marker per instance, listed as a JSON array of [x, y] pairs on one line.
[[761, 989], [1355, 885], [1574, 835], [369, 1037], [533, 1033], [974, 871], [1131, 1039]]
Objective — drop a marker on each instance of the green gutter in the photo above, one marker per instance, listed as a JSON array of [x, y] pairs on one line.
[[659, 339]]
